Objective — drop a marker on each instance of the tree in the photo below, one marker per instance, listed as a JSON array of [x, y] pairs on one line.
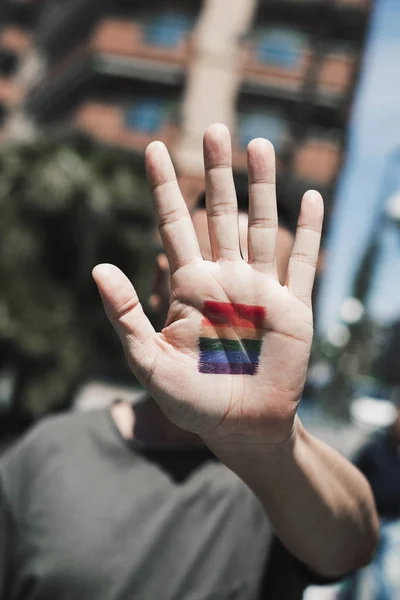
[[65, 206]]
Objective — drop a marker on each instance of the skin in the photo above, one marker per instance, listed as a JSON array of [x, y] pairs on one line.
[[320, 506]]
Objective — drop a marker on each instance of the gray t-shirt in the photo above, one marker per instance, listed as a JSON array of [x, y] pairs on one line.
[[87, 515]]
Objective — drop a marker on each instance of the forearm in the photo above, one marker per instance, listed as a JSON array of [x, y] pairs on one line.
[[320, 506]]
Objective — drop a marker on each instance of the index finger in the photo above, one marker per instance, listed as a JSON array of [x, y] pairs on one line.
[[173, 217]]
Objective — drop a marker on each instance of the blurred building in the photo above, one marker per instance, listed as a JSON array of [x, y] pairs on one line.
[[129, 71]]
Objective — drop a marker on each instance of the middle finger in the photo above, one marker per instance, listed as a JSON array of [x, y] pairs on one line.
[[221, 202]]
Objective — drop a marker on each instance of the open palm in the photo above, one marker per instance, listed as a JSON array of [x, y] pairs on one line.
[[233, 355]]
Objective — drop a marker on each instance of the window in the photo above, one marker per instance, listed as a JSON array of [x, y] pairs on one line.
[[280, 47], [148, 115], [262, 124], [168, 29]]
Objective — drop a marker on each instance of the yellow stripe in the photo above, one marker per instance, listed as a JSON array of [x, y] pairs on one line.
[[231, 333]]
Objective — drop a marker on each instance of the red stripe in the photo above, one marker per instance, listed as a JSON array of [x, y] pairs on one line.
[[235, 315]]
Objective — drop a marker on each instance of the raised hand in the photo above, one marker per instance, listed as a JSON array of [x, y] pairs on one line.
[[233, 355]]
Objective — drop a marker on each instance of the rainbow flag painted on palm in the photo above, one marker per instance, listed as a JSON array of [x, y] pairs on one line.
[[231, 338]]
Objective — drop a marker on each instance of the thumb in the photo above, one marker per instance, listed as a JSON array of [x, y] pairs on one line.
[[125, 312]]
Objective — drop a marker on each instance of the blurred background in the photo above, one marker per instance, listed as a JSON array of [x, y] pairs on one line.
[[85, 85]]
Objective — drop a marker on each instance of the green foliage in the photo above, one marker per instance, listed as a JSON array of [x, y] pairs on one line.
[[66, 206]]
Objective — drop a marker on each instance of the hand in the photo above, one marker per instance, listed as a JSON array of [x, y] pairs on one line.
[[251, 384]]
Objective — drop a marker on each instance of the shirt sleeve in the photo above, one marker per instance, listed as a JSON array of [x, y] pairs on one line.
[[286, 577]]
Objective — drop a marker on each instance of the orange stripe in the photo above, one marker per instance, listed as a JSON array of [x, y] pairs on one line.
[[231, 333]]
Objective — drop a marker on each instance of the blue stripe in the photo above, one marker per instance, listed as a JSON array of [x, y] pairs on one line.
[[228, 357]]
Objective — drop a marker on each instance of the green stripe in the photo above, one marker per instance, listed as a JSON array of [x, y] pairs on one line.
[[231, 345]]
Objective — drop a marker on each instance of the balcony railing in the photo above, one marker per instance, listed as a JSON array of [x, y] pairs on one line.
[[108, 125], [128, 39], [277, 59], [115, 49], [119, 48], [279, 80]]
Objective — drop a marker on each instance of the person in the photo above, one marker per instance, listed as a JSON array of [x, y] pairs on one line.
[[210, 487], [379, 461]]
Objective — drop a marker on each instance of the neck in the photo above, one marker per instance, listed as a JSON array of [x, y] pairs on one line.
[[145, 422]]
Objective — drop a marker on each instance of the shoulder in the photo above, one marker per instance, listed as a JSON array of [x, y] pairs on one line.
[[42, 441], [43, 452], [46, 430]]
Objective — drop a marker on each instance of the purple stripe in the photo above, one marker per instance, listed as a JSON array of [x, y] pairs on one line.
[[228, 369]]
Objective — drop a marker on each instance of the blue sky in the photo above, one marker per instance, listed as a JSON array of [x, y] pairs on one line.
[[374, 134]]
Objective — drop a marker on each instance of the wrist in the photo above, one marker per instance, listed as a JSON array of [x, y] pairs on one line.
[[252, 446]]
